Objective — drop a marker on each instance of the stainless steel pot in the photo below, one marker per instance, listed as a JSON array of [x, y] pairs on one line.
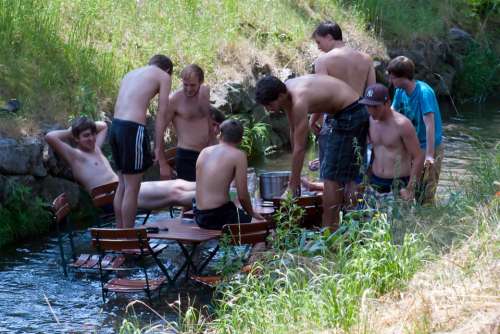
[[273, 184]]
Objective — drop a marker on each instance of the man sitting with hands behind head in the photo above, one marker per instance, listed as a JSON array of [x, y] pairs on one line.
[[216, 168], [91, 168]]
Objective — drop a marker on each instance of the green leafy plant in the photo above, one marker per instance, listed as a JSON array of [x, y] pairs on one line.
[[255, 137], [287, 217], [23, 215]]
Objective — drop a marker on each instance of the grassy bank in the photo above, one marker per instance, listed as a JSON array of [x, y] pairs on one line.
[[61, 58], [341, 283]]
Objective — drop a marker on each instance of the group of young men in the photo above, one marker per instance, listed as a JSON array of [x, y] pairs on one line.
[[197, 126], [346, 106], [405, 134]]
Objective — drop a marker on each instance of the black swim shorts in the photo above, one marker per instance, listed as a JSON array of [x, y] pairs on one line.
[[185, 164], [214, 219], [130, 147], [383, 185], [346, 144]]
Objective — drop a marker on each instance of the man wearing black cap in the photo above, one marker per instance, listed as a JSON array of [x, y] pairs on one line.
[[397, 158]]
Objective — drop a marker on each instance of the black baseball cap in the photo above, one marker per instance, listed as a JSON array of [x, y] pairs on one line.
[[375, 95]]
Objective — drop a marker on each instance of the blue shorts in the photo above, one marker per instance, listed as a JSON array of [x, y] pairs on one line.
[[346, 143]]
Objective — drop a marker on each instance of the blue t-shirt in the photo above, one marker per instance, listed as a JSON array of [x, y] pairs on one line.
[[422, 101]]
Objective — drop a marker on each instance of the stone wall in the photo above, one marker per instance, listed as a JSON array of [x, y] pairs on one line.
[[29, 162]]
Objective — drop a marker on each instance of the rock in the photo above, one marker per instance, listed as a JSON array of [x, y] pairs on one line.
[[259, 70], [22, 157], [380, 72], [285, 74], [51, 187], [280, 131], [233, 98]]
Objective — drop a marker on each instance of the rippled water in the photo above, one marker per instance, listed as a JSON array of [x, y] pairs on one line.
[[31, 278]]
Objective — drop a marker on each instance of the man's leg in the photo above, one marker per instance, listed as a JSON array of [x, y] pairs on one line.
[[333, 198], [129, 203], [118, 200]]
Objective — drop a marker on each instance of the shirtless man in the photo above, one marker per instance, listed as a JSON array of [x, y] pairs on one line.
[[348, 122], [398, 160], [216, 119], [189, 112], [91, 168], [216, 168], [129, 139], [340, 61]]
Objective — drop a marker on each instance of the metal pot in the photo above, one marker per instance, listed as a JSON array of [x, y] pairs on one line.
[[273, 184]]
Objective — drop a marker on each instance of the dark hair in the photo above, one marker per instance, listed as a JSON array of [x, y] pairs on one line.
[[328, 28], [268, 89], [402, 67], [216, 115], [231, 131], [163, 62], [193, 69], [81, 124]]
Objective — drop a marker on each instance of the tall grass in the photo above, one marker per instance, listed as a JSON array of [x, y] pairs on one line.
[[64, 57]]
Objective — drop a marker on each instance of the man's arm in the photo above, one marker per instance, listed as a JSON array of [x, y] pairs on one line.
[[411, 143], [57, 141], [299, 145], [102, 130], [240, 179], [430, 138], [163, 118]]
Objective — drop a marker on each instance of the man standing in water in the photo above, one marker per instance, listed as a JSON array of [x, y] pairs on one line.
[[346, 142], [342, 62], [129, 139], [416, 100], [189, 112], [398, 160]]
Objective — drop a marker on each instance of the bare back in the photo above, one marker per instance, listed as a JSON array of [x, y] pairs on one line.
[[392, 158], [191, 119], [351, 66], [320, 93], [137, 89], [215, 170], [91, 169]]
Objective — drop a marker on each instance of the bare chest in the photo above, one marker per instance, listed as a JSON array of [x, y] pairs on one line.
[[191, 111], [384, 135]]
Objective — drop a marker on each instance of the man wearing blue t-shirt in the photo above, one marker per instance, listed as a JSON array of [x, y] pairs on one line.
[[416, 100]]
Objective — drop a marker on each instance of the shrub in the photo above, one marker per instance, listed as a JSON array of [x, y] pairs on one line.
[[22, 215]]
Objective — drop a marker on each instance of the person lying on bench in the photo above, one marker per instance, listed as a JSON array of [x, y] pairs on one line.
[[92, 169], [216, 168]]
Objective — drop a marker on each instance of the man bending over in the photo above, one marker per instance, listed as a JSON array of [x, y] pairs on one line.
[[216, 168], [91, 168], [398, 160], [346, 143]]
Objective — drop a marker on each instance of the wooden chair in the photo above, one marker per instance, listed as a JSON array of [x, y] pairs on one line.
[[170, 156], [102, 198], [313, 206], [112, 241], [66, 230], [252, 235]]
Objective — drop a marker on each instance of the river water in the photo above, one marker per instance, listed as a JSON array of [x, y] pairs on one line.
[[35, 297]]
